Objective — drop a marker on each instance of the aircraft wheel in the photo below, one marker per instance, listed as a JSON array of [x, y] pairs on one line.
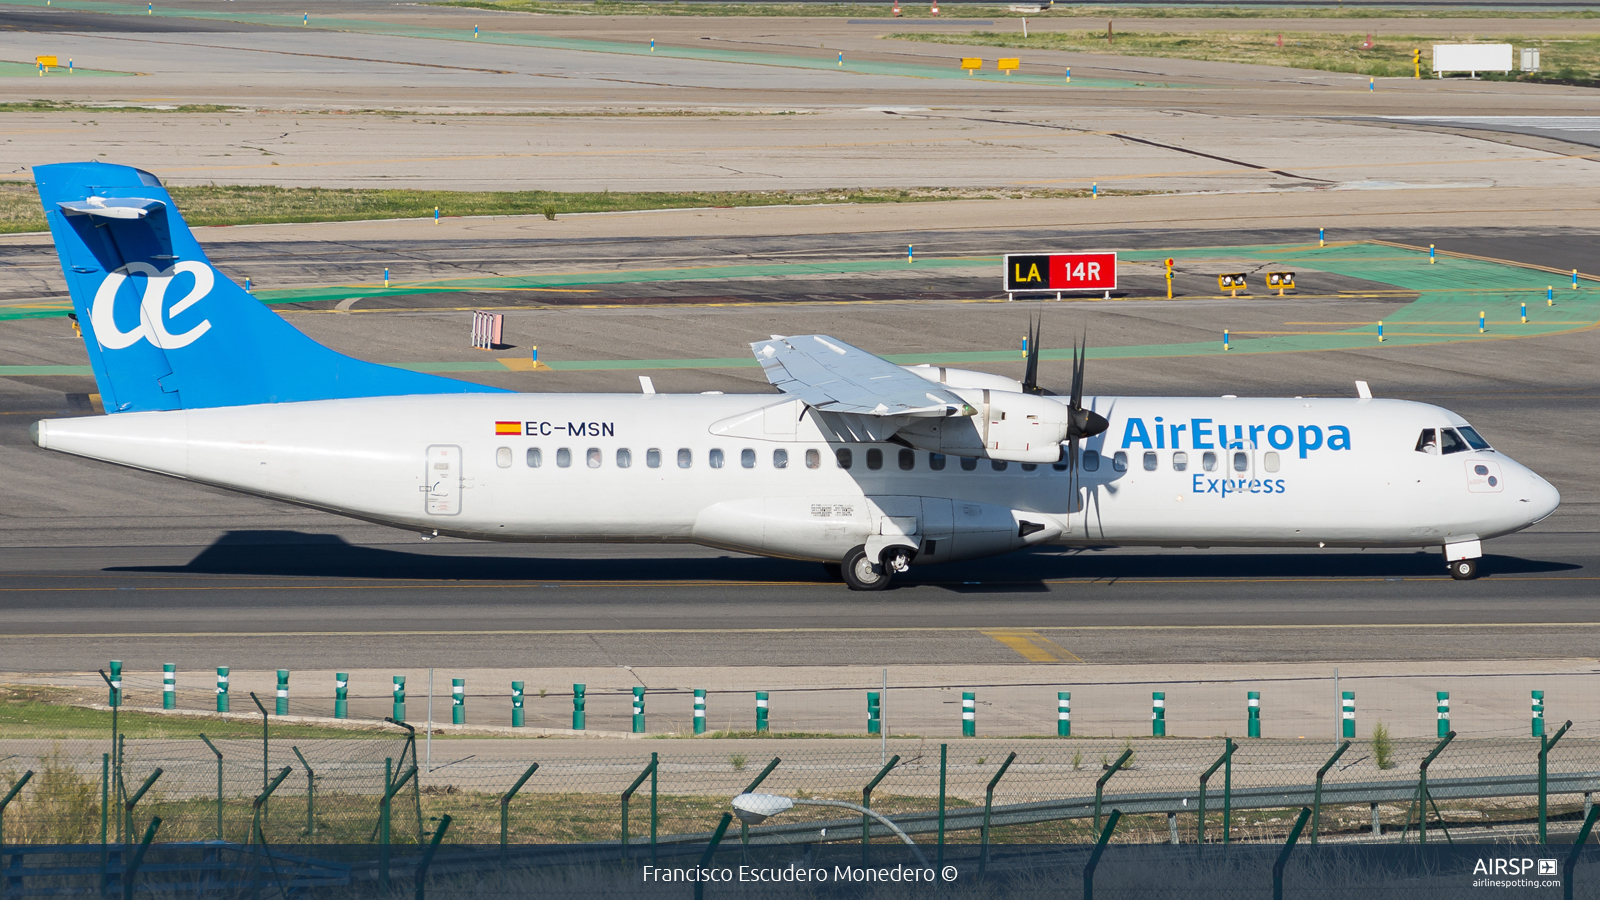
[[834, 570], [863, 573], [1464, 569]]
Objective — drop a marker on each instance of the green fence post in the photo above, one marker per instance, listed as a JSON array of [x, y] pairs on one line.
[[1316, 800], [282, 707], [1545, 746], [105, 797], [1200, 830], [399, 698], [1063, 714], [517, 719], [988, 806], [744, 827], [1099, 848], [169, 686], [866, 802], [1538, 710], [28, 776], [1422, 794], [137, 795], [427, 855], [627, 794], [384, 818], [655, 777], [311, 793], [114, 695], [1283, 855], [944, 758], [1443, 711], [577, 707], [699, 710], [222, 688], [711, 848], [265, 738], [219, 782], [505, 808], [1349, 715], [761, 711], [874, 712], [458, 701], [638, 709], [1100, 784], [1571, 862], [1253, 714], [132, 871], [1227, 792], [341, 695], [1158, 713], [969, 714]]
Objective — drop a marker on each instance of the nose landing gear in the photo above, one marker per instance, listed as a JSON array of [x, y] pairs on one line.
[[1464, 569]]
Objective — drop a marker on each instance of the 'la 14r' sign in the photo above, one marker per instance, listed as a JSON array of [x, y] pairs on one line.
[[1061, 272]]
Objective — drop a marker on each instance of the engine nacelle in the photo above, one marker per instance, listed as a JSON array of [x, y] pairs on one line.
[[1011, 426], [965, 378]]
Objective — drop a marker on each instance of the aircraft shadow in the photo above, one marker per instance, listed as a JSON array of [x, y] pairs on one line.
[[297, 554]]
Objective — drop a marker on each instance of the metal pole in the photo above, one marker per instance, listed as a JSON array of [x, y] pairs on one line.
[[655, 770], [137, 795], [11, 795], [866, 802], [883, 722], [1316, 801], [1571, 862], [705, 858], [263, 738], [944, 752], [132, 871], [427, 855], [1200, 830], [384, 819], [1227, 793], [1545, 746], [988, 806], [427, 734], [1099, 848], [219, 782], [1099, 785], [311, 794], [744, 829], [505, 808], [105, 797], [1422, 790], [628, 794], [1283, 855]]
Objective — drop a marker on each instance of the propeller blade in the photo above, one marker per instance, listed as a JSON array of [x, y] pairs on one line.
[[1030, 374]]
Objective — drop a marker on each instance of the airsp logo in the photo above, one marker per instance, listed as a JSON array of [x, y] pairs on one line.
[[152, 324]]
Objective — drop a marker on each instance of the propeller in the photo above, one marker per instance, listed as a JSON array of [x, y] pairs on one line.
[[1082, 423]]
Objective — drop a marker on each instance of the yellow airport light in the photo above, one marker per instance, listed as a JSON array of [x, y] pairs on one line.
[[1283, 281], [971, 64], [1232, 283], [1008, 65], [1169, 262]]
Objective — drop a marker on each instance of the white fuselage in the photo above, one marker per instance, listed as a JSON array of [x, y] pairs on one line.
[[1294, 473]]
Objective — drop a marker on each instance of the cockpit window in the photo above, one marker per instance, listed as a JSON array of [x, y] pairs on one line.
[[1473, 439], [1450, 442], [1428, 441]]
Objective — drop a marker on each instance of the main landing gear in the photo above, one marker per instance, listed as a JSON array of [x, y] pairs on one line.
[[862, 573], [1464, 569]]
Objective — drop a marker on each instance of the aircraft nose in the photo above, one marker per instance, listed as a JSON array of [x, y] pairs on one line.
[[1542, 496]]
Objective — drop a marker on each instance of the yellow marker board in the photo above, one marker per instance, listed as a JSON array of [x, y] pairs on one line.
[[971, 64], [1008, 65], [49, 62]]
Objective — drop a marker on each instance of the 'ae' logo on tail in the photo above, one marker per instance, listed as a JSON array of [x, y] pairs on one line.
[[152, 325]]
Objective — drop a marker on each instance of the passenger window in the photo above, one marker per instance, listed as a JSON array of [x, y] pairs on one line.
[[1059, 467], [563, 457], [844, 457], [1209, 461], [1119, 462], [652, 457], [747, 458], [813, 459], [780, 459], [535, 458], [1180, 462], [594, 457], [1241, 462], [685, 458], [502, 457], [1473, 438], [624, 457], [969, 463], [1091, 461], [874, 459], [908, 460], [1269, 461], [936, 461], [1427, 442], [1029, 467], [714, 458], [999, 465], [1450, 442], [1150, 461]]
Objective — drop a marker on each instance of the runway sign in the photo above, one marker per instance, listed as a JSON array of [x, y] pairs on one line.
[[1060, 272]]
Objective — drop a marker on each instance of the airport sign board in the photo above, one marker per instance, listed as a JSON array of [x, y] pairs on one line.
[[1060, 272]]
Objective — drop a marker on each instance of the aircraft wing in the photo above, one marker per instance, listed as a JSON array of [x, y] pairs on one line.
[[832, 376]]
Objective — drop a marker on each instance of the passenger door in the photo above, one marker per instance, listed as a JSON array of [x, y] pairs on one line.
[[441, 481]]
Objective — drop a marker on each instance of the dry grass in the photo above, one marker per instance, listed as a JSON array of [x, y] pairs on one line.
[[920, 11]]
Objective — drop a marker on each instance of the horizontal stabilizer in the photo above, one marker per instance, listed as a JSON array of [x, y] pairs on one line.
[[111, 207]]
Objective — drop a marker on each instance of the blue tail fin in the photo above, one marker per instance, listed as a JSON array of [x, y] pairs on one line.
[[166, 330]]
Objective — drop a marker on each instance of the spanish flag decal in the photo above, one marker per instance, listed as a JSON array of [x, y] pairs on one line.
[[508, 428]]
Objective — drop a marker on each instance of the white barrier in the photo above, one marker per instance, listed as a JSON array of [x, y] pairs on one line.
[[486, 329], [1472, 58]]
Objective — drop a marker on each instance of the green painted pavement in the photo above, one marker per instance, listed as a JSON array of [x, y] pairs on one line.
[[19, 69], [707, 54]]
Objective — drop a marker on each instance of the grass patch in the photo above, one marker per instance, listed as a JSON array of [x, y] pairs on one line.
[[862, 10], [46, 713], [255, 205], [1578, 55], [25, 106]]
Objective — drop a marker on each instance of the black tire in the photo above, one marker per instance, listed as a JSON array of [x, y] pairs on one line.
[[834, 570], [862, 573], [1464, 569]]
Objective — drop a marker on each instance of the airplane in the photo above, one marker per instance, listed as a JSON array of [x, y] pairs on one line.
[[860, 464], [1031, 7]]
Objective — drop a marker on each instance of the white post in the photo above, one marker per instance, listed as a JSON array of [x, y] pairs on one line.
[[427, 762], [883, 721], [1338, 708]]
